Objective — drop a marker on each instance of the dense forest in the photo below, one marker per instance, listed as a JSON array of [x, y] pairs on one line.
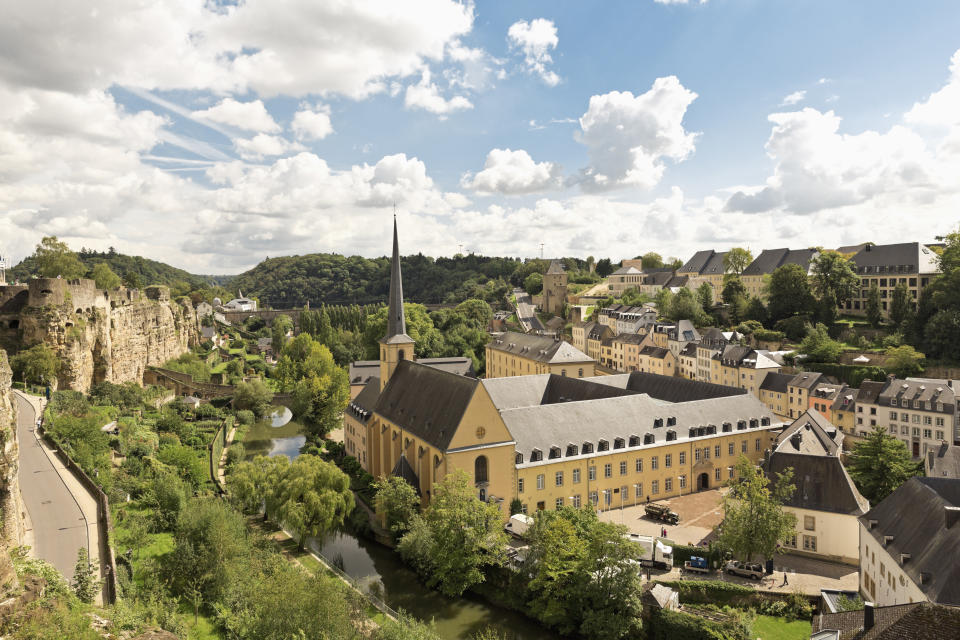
[[135, 270], [334, 279]]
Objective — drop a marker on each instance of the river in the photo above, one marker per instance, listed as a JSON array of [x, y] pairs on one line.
[[380, 571]]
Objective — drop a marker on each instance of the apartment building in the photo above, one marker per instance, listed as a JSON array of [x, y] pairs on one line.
[[826, 501], [624, 278], [888, 265], [595, 338], [774, 393], [844, 412], [687, 362], [823, 396], [798, 392], [626, 352], [657, 360], [520, 354], [909, 543], [920, 413], [711, 342], [755, 276], [623, 318]]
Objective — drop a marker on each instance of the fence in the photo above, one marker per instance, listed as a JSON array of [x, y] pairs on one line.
[[376, 601], [215, 449], [103, 515]]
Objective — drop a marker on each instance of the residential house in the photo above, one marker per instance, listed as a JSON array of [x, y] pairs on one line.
[[742, 367], [705, 266], [711, 343], [823, 395], [687, 361], [888, 265], [204, 309], [757, 273], [595, 337], [909, 544], [241, 304], [921, 413], [844, 412], [680, 335], [826, 501], [578, 333], [520, 354], [774, 392], [657, 360], [626, 351], [798, 392]]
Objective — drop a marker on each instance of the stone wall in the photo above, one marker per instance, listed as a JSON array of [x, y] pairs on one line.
[[105, 335], [12, 530]]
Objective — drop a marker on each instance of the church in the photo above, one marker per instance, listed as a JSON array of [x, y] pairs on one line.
[[548, 440]]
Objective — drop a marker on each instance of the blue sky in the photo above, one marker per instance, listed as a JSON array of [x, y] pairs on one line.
[[213, 137]]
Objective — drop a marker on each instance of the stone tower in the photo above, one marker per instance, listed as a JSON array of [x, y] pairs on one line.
[[396, 345], [554, 289]]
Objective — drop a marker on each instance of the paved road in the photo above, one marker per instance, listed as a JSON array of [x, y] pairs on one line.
[[58, 525], [526, 312]]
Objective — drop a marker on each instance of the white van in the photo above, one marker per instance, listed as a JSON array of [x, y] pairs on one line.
[[518, 524]]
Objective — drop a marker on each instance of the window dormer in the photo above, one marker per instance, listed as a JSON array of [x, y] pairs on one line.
[[603, 445], [618, 443], [536, 455], [554, 453], [571, 450]]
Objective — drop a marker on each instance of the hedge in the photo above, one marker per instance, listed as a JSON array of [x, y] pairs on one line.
[[852, 374], [715, 592]]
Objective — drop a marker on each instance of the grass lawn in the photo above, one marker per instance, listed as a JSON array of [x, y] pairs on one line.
[[770, 628]]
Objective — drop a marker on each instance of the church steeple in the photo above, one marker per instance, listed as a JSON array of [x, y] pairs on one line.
[[396, 345]]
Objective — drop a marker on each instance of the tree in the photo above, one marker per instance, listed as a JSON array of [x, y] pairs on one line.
[[604, 267], [37, 365], [756, 311], [406, 627], [54, 258], [320, 388], [788, 292], [901, 305], [210, 538], [736, 260], [663, 299], [455, 538], [819, 346], [104, 276], [429, 340], [86, 581], [313, 497], [651, 260], [533, 284], [949, 259], [186, 461], [754, 522], [684, 306], [705, 296], [733, 288], [834, 280], [879, 464], [397, 501], [253, 484], [278, 332], [941, 335], [253, 395], [904, 361], [874, 314], [132, 280]]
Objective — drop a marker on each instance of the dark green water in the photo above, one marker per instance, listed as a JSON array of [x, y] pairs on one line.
[[380, 571]]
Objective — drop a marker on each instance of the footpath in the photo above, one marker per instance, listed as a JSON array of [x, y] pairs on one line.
[[53, 498]]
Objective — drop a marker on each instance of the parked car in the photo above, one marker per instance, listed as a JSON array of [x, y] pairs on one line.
[[752, 570]]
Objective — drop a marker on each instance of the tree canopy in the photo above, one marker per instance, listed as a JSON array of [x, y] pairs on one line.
[[36, 365], [819, 346], [879, 464], [754, 522], [313, 497], [737, 259]]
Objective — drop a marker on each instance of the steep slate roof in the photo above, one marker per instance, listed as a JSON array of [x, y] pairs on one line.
[[776, 382], [944, 462], [690, 349], [540, 348], [362, 370], [591, 421], [630, 338], [923, 518], [658, 278], [668, 388], [432, 416], [920, 391], [714, 264], [654, 352], [684, 330], [697, 263], [822, 484], [913, 255], [770, 260], [363, 405], [845, 400], [869, 391], [546, 388], [806, 380], [555, 268], [810, 434], [677, 281], [911, 621]]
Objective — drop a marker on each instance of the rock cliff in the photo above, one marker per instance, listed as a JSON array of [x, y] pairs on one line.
[[105, 335], [9, 487]]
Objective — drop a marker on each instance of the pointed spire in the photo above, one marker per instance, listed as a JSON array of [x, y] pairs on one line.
[[396, 323]]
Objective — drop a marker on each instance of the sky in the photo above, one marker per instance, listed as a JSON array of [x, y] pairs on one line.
[[211, 135]]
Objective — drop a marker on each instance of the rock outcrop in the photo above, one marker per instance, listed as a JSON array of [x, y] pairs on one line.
[[9, 487], [105, 335]]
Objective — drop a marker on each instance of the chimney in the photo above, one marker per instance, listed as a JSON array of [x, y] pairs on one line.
[[868, 615], [951, 515], [796, 439]]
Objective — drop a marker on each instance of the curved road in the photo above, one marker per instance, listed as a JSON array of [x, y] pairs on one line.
[[58, 525], [526, 312]]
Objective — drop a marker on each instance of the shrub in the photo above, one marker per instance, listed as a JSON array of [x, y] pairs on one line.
[[245, 417], [206, 411]]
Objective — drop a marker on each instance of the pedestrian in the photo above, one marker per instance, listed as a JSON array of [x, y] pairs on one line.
[[785, 581]]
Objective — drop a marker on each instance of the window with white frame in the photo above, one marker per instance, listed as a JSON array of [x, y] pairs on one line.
[[576, 475], [668, 460], [520, 485], [729, 448], [668, 484], [623, 467], [638, 465], [716, 474], [655, 487], [591, 473], [558, 479], [540, 481], [558, 503], [716, 451], [638, 490], [809, 543], [608, 470], [576, 501], [683, 481], [654, 463]]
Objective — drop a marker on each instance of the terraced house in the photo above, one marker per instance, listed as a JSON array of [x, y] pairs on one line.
[[705, 266]]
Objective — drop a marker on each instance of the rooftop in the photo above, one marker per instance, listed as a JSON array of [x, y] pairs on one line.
[[907, 257], [539, 348]]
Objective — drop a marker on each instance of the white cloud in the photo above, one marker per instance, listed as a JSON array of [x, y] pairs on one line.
[[793, 98], [308, 124], [262, 145], [941, 108], [351, 48], [426, 95], [513, 172], [536, 39], [627, 136], [249, 116]]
